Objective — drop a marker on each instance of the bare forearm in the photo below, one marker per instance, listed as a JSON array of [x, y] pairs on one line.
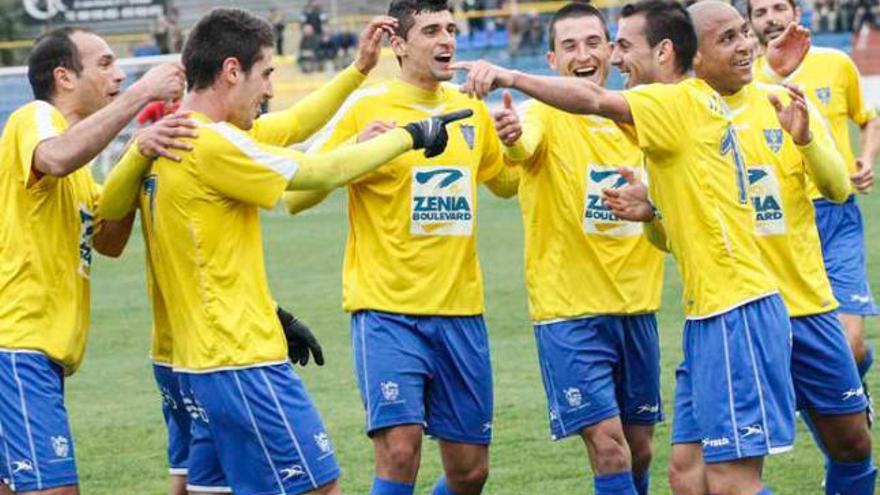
[[81, 143], [870, 141], [111, 238], [342, 165], [573, 95]]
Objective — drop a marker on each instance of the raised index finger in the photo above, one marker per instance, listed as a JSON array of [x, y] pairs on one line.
[[458, 115], [466, 66]]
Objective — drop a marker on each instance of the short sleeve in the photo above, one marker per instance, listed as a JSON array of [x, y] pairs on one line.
[[36, 123], [856, 106], [238, 167], [658, 112]]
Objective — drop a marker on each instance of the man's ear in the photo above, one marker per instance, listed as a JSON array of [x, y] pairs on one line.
[[231, 70], [398, 45]]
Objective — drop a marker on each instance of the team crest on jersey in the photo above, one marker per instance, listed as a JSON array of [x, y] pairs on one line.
[[468, 132], [87, 220], [442, 201], [767, 200], [773, 138], [824, 95], [598, 218]]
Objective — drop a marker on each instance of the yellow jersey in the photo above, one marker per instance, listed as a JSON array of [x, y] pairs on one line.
[[580, 258], [205, 244], [412, 244], [831, 82], [699, 184], [784, 215], [45, 243]]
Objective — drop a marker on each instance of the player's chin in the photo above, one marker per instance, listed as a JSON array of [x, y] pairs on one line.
[[443, 75]]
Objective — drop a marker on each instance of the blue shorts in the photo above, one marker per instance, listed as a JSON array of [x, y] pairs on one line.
[[264, 429], [201, 466], [598, 368], [843, 249], [734, 392], [824, 372], [429, 370], [34, 431]]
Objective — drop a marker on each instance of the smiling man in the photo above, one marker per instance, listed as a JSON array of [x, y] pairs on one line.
[[411, 276], [596, 346]]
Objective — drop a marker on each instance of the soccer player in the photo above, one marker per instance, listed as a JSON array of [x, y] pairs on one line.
[[411, 276], [297, 123], [597, 344], [48, 232], [782, 149], [737, 331], [250, 409], [831, 82]]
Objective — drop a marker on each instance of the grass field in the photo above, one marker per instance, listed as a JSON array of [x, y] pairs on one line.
[[115, 408]]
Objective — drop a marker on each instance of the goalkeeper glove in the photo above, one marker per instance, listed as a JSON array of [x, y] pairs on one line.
[[430, 134], [300, 340]]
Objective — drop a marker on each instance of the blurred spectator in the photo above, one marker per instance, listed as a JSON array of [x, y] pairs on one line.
[[167, 33], [313, 15], [823, 19], [475, 22], [866, 14], [276, 18], [327, 52], [533, 36], [346, 43], [308, 49]]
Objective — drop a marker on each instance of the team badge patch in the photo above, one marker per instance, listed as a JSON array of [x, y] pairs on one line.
[[442, 201], [598, 218], [767, 200], [773, 137], [824, 95], [468, 132]]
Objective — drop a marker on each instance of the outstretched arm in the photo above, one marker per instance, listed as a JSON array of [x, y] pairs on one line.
[[565, 93]]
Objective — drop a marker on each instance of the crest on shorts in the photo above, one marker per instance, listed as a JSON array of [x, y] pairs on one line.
[[773, 137], [824, 95], [468, 132], [390, 390], [61, 446]]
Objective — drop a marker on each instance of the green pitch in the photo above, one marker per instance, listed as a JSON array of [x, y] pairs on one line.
[[115, 408]]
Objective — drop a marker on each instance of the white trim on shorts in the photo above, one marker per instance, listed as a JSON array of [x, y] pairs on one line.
[[781, 449], [587, 316], [208, 489], [757, 379], [247, 407], [363, 316], [730, 400], [229, 368], [178, 471], [731, 308], [281, 414]]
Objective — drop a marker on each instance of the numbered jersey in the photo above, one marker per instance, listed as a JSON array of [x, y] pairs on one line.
[[699, 182], [412, 235], [784, 216], [45, 243], [832, 84], [580, 258]]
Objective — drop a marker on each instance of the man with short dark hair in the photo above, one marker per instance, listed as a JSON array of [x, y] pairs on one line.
[[411, 275], [250, 410], [49, 230], [598, 346]]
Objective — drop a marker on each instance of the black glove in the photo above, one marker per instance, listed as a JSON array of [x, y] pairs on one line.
[[299, 340], [430, 134]]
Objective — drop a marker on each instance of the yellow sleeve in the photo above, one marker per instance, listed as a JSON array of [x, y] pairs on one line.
[[527, 145], [506, 183], [338, 133], [36, 123], [120, 192], [658, 112], [824, 163], [491, 160], [855, 102], [238, 167], [309, 115]]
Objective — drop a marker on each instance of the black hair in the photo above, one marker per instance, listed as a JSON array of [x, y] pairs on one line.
[[667, 20], [53, 50], [406, 10], [572, 10], [221, 34], [749, 6]]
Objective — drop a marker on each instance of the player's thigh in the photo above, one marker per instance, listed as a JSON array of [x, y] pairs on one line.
[[579, 361], [459, 395], [391, 363], [268, 433], [34, 429], [826, 379], [638, 378]]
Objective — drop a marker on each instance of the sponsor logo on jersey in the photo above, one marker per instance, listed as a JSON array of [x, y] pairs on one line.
[[150, 186], [598, 218], [442, 201], [767, 200], [824, 95], [773, 138], [87, 219]]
